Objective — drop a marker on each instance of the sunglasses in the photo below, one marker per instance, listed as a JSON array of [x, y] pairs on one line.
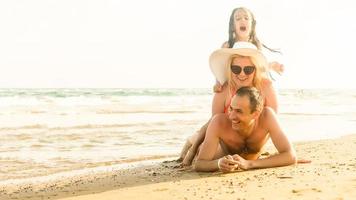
[[247, 69]]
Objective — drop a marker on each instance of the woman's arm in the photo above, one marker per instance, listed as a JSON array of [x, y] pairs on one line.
[[218, 104]]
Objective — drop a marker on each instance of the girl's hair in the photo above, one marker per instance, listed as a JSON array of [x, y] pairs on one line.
[[253, 37], [259, 74]]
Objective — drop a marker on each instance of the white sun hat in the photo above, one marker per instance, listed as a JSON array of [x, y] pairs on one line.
[[219, 59]]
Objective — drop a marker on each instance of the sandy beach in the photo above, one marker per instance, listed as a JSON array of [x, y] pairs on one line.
[[331, 175], [97, 98]]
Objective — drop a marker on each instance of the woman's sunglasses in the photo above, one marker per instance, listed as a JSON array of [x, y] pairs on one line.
[[247, 69]]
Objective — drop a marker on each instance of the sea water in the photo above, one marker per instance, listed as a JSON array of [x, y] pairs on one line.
[[44, 131]]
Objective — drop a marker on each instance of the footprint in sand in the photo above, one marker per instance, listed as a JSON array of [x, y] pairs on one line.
[[160, 189], [305, 190]]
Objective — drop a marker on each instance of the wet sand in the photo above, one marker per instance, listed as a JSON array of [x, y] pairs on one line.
[[331, 175]]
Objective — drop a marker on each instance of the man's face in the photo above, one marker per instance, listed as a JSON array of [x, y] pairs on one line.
[[240, 113]]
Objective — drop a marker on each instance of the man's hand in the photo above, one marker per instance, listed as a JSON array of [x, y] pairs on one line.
[[241, 162], [227, 164]]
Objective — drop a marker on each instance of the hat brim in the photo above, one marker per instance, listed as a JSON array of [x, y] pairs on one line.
[[219, 59]]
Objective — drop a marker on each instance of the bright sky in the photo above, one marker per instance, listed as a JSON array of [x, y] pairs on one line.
[[167, 43]]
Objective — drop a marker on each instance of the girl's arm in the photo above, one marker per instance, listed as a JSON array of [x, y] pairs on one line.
[[276, 66]]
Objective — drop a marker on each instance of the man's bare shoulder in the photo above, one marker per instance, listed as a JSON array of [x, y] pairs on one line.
[[267, 115], [220, 118], [220, 121], [266, 111]]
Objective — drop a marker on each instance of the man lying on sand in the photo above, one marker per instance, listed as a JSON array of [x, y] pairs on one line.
[[234, 141]]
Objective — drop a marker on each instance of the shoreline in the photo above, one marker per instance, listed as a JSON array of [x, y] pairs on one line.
[[331, 175]]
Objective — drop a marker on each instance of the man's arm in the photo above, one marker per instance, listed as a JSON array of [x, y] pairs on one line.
[[208, 148], [205, 160], [286, 154], [187, 161]]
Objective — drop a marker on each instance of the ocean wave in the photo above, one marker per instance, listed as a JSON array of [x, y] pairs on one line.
[[310, 114], [102, 92], [96, 126], [43, 126], [145, 111], [34, 126]]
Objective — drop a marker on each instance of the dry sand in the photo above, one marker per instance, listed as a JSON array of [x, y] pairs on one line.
[[331, 175]]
